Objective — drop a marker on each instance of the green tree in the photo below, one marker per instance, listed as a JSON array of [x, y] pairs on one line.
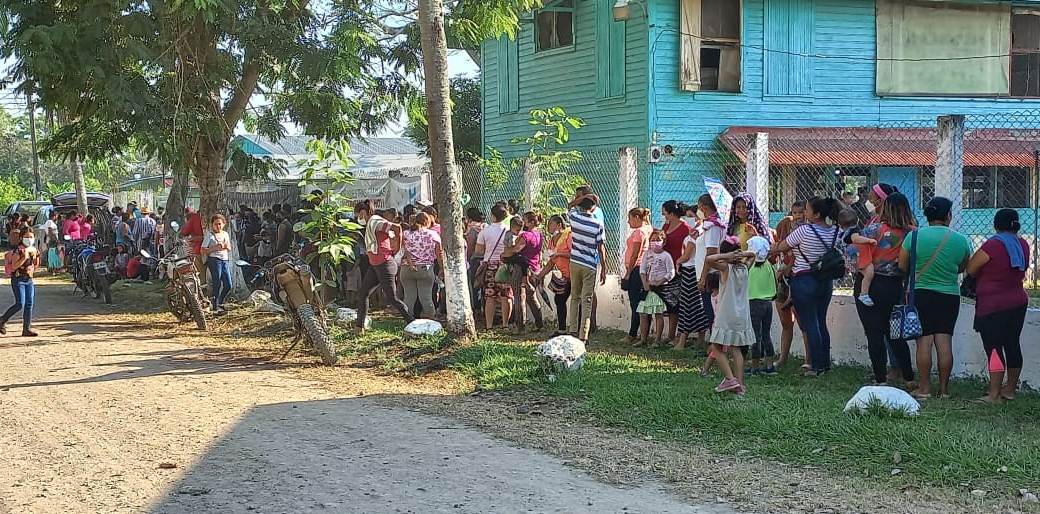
[[465, 120], [177, 77], [431, 26]]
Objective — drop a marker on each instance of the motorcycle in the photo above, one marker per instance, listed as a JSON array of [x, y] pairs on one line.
[[291, 284], [184, 292], [88, 262]]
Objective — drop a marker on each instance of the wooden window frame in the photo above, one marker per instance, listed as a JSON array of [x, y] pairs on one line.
[[555, 7], [691, 43]]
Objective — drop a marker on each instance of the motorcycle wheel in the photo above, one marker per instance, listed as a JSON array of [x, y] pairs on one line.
[[191, 297], [175, 301], [317, 333]]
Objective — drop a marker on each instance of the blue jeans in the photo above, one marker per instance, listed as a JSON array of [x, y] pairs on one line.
[[220, 280], [24, 297], [812, 297]]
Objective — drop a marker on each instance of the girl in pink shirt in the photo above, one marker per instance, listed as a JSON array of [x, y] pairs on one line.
[[657, 270]]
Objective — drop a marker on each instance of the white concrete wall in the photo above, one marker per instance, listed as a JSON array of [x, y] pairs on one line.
[[848, 344]]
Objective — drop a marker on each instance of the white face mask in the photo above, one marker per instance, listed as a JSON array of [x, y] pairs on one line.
[[870, 206], [28, 241]]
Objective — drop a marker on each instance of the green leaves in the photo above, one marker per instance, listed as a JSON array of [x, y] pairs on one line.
[[327, 215]]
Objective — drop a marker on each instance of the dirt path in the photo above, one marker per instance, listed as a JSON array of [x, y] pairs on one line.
[[96, 418]]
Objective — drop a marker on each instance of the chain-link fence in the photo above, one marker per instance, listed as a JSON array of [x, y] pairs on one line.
[[683, 173]]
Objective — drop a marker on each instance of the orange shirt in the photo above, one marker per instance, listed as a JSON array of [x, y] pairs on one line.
[[561, 253]]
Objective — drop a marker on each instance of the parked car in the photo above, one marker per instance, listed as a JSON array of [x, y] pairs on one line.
[[30, 207], [98, 204]]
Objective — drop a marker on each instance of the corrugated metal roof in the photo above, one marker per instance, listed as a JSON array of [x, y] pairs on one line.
[[297, 145], [868, 146]]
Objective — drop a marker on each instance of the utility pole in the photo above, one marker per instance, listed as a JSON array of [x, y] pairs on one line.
[[38, 182]]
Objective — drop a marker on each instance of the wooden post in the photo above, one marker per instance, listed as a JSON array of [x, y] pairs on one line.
[[949, 164]]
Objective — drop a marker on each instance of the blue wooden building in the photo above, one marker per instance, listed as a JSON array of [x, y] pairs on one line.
[[699, 76]]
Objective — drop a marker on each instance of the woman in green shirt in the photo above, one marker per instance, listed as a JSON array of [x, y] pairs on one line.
[[942, 255]]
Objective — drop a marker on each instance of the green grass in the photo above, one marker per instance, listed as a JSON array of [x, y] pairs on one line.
[[787, 418], [384, 347]]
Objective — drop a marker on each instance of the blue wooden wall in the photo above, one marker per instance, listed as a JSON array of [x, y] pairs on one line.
[[782, 90]]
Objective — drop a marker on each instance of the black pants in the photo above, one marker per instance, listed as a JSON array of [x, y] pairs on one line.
[[635, 295], [382, 276], [1001, 333], [887, 292], [561, 299]]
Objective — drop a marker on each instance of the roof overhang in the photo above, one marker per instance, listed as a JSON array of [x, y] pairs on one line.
[[866, 146]]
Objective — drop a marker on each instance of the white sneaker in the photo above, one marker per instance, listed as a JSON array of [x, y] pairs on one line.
[[865, 299]]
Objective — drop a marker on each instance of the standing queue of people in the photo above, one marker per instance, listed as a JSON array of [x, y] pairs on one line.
[[718, 283]]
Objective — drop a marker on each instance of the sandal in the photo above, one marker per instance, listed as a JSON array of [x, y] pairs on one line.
[[921, 396]]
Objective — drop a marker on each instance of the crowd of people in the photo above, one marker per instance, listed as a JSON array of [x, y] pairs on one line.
[[716, 283], [699, 279]]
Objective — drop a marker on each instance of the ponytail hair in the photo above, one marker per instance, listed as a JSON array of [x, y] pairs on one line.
[[1006, 220], [828, 208], [674, 208], [421, 221]]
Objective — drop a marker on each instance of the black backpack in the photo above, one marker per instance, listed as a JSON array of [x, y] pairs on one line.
[[831, 265]]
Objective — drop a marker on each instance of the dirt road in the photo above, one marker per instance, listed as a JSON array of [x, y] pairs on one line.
[[96, 418]]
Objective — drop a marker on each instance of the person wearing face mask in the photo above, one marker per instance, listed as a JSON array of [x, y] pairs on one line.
[[20, 264], [692, 318], [656, 271], [863, 208]]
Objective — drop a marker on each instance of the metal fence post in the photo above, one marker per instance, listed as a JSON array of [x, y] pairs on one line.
[[628, 189], [757, 170], [949, 164]]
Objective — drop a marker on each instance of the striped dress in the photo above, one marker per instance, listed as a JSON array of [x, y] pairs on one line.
[[692, 317]]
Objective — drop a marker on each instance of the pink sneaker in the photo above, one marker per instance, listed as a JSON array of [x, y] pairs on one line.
[[740, 391], [728, 384]]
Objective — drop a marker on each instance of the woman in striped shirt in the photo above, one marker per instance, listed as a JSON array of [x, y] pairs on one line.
[[812, 294]]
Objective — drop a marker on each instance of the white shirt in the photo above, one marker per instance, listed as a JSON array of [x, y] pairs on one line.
[[212, 239], [711, 237], [494, 241]]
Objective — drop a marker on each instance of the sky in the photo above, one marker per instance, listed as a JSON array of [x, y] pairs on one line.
[[459, 64]]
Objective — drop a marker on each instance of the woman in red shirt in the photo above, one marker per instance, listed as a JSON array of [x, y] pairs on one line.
[[675, 231], [999, 268]]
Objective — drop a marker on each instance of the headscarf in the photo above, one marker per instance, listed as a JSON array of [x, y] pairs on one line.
[[755, 217]]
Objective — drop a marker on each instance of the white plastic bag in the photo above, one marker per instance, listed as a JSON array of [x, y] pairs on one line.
[[423, 327], [348, 317], [888, 398], [562, 353]]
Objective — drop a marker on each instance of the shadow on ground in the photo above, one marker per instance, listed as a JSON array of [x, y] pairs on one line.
[[355, 455], [186, 362]]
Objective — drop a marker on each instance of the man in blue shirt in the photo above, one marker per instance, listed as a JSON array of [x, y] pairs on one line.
[[588, 253]]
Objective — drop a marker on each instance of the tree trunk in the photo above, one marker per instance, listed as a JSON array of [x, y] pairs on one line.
[[175, 202], [447, 179], [209, 175], [81, 187]]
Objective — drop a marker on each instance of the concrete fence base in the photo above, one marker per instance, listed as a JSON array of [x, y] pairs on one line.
[[848, 343]]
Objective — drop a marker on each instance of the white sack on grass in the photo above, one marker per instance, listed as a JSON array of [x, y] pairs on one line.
[[348, 317], [889, 398], [423, 327], [259, 297], [562, 353]]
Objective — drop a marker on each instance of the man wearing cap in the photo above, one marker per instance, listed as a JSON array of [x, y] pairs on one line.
[[144, 231], [587, 254]]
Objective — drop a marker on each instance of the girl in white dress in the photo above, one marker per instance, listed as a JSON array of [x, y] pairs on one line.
[[732, 333]]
